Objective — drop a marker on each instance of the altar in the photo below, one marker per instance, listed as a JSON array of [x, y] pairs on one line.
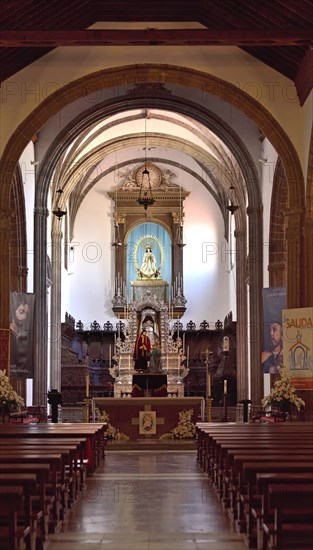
[[146, 417], [150, 384]]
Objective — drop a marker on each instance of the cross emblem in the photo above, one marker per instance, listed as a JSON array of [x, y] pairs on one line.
[[136, 421]]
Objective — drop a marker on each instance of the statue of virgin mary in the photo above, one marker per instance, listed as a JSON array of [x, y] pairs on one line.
[[148, 269]]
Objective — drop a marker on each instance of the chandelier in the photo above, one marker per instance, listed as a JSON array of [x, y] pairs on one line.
[[232, 207], [179, 240], [58, 212], [145, 197], [117, 238]]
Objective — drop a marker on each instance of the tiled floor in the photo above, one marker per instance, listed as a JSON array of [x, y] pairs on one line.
[[148, 500]]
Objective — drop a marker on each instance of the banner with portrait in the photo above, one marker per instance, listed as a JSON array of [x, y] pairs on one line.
[[298, 346], [21, 334], [274, 301]]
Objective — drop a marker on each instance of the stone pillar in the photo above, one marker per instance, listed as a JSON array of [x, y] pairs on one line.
[[295, 258], [255, 302], [242, 320], [41, 314], [308, 240], [55, 327], [5, 269]]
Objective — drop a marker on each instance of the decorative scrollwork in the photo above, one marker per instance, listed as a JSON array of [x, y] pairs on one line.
[[218, 325], [176, 325], [95, 326], [191, 325], [108, 327], [204, 325], [80, 325]]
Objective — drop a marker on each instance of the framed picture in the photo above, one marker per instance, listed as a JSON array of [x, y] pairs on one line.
[[147, 422]]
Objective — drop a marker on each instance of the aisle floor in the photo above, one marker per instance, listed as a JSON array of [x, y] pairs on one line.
[[148, 500]]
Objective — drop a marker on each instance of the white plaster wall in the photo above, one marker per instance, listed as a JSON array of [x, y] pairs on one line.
[[28, 178], [89, 294], [269, 156]]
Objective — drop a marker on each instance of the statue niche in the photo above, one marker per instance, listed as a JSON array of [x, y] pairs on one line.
[[148, 258]]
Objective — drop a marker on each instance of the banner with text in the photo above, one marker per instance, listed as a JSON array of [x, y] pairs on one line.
[[298, 346]]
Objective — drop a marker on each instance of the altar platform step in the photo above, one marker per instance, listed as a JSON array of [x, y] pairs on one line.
[[152, 444]]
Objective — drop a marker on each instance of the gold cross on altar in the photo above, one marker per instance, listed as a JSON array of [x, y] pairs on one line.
[[147, 422]]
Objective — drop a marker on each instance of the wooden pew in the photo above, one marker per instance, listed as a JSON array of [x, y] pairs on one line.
[[40, 501], [20, 521], [286, 529], [246, 499], [264, 514], [12, 536]]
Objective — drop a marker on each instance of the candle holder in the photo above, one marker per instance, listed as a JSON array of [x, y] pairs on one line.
[[210, 401], [225, 419]]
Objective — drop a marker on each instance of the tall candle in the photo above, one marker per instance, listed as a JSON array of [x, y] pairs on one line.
[[209, 385], [87, 384], [225, 386]]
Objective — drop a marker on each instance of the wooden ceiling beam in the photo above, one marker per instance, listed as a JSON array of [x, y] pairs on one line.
[[304, 78], [154, 36]]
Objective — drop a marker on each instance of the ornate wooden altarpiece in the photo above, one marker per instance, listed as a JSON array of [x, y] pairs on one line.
[[149, 294]]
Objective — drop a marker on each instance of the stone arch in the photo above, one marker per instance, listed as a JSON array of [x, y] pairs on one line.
[[308, 231], [18, 244], [162, 74]]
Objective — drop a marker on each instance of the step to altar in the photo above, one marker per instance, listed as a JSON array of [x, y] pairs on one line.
[[152, 444]]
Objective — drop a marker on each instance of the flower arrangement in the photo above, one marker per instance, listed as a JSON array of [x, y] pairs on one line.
[[283, 392], [111, 432], [185, 428], [9, 398]]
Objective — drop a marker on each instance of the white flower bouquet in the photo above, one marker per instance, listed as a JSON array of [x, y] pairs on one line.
[[283, 392]]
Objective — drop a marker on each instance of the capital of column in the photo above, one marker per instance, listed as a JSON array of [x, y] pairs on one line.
[[256, 209], [22, 271], [239, 233], [120, 218], [178, 218], [41, 211], [308, 228], [56, 234]]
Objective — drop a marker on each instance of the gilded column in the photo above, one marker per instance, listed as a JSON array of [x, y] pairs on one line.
[[41, 314]]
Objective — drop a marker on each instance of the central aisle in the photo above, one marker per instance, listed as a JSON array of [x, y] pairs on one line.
[[148, 500]]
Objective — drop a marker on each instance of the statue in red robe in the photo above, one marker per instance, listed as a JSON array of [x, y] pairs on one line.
[[142, 351]]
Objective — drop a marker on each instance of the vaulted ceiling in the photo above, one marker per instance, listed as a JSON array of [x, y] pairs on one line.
[[277, 32]]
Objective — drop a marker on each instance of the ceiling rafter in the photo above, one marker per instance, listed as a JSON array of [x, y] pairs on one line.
[[153, 36], [276, 33]]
